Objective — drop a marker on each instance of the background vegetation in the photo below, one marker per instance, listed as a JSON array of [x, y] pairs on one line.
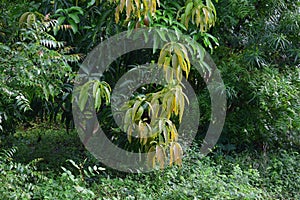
[[254, 43]]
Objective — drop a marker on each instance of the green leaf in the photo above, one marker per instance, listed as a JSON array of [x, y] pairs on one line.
[[83, 96], [76, 8], [61, 20], [92, 2], [107, 94], [98, 99], [73, 26], [59, 10], [155, 43], [139, 113], [74, 164], [75, 17], [162, 35], [188, 10]]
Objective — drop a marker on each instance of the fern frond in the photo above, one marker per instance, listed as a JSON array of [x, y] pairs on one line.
[[22, 103], [73, 57], [51, 43], [7, 154], [50, 24], [62, 27]]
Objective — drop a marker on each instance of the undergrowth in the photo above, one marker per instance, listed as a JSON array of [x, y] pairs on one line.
[[57, 167]]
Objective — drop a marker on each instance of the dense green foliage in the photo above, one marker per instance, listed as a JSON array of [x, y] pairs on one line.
[[69, 22], [254, 43], [258, 56], [259, 59], [34, 70], [270, 175]]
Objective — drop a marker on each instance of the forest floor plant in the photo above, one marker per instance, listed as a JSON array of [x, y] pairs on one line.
[[29, 172]]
